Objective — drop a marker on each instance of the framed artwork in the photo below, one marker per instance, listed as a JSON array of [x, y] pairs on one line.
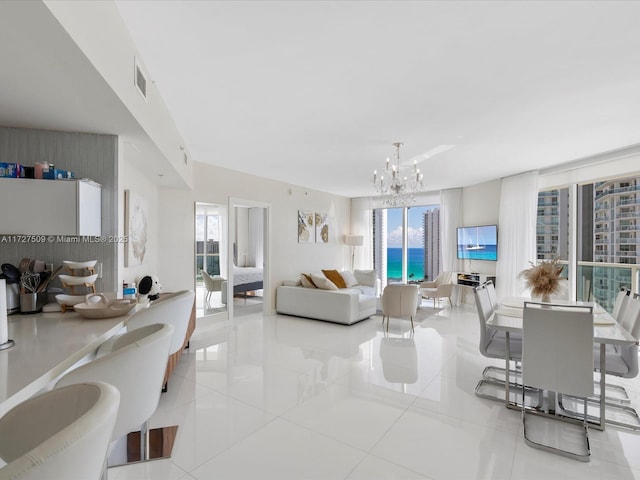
[[305, 226], [322, 228], [135, 228]]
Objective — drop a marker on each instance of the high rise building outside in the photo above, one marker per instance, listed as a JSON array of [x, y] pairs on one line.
[[431, 233]]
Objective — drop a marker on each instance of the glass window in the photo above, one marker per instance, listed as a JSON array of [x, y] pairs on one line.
[[422, 237], [608, 226]]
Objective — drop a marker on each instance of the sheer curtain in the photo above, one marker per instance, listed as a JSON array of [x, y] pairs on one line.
[[361, 224], [450, 220], [517, 235]]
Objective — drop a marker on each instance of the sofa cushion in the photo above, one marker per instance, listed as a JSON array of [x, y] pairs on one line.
[[366, 277], [323, 282], [349, 279], [307, 281], [335, 277], [363, 290], [291, 283]]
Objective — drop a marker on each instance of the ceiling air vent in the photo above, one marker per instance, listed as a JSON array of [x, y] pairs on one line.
[[140, 79]]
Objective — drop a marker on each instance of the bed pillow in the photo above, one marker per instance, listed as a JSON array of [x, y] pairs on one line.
[[306, 281], [366, 277], [335, 277], [322, 282], [349, 278]]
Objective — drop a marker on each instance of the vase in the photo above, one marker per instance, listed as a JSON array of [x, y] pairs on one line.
[[545, 298]]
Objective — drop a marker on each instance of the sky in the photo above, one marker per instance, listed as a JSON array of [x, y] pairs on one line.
[[394, 226]]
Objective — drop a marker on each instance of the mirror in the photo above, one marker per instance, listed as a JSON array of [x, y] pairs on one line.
[[210, 259]]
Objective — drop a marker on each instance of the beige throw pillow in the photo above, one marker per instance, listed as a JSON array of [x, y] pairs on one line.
[[323, 282], [335, 277]]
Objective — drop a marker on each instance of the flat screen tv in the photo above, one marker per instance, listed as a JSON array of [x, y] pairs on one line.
[[478, 242]]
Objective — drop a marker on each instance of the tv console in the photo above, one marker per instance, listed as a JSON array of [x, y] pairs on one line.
[[473, 279]]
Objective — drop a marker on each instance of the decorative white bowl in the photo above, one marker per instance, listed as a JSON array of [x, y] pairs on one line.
[[98, 306], [79, 265], [69, 280], [69, 300]]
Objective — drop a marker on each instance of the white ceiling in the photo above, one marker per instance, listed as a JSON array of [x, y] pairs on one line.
[[315, 93]]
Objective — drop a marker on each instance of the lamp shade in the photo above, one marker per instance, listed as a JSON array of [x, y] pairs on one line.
[[354, 240]]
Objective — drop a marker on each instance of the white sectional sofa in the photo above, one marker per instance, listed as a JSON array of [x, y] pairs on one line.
[[343, 305]]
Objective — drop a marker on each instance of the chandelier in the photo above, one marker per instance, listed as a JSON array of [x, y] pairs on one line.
[[398, 185]]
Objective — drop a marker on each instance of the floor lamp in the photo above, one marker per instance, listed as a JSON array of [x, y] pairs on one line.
[[353, 241]]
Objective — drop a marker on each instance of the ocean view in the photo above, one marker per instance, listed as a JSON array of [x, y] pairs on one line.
[[415, 262]]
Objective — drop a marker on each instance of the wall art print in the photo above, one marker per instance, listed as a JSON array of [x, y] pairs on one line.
[[305, 226], [322, 228], [136, 215]]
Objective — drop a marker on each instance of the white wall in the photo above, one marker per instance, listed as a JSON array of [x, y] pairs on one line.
[[100, 32], [288, 257], [132, 179]]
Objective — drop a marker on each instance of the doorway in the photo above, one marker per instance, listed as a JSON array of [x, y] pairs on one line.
[[248, 258], [210, 258]]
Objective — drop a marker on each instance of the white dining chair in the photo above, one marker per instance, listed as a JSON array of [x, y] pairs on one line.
[[557, 356], [622, 362], [61, 434], [621, 304], [134, 363], [493, 344]]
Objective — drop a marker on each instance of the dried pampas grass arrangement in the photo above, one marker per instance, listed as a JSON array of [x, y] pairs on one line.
[[543, 279]]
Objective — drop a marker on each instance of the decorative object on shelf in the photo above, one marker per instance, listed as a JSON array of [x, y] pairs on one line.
[[322, 228], [305, 226], [543, 279], [353, 241], [149, 288], [79, 282], [135, 228], [99, 306], [398, 185]]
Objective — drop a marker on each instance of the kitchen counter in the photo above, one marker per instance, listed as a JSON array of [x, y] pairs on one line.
[[46, 345]]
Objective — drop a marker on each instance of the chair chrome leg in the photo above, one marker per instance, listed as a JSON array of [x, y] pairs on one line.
[[627, 411]]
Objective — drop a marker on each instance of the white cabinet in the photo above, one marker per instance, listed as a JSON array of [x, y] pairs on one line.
[[50, 207]]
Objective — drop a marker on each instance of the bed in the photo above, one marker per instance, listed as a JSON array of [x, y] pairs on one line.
[[246, 279]]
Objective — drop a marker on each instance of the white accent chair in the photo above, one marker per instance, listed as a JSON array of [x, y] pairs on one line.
[[61, 434], [134, 363], [400, 301], [557, 356], [441, 287], [212, 284], [174, 309]]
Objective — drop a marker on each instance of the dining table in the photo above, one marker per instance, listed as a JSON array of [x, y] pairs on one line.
[[46, 345], [508, 316]]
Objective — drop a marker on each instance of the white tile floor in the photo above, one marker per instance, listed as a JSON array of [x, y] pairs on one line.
[[287, 398]]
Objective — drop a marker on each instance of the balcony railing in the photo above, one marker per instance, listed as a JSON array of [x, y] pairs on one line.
[[602, 281], [615, 191]]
